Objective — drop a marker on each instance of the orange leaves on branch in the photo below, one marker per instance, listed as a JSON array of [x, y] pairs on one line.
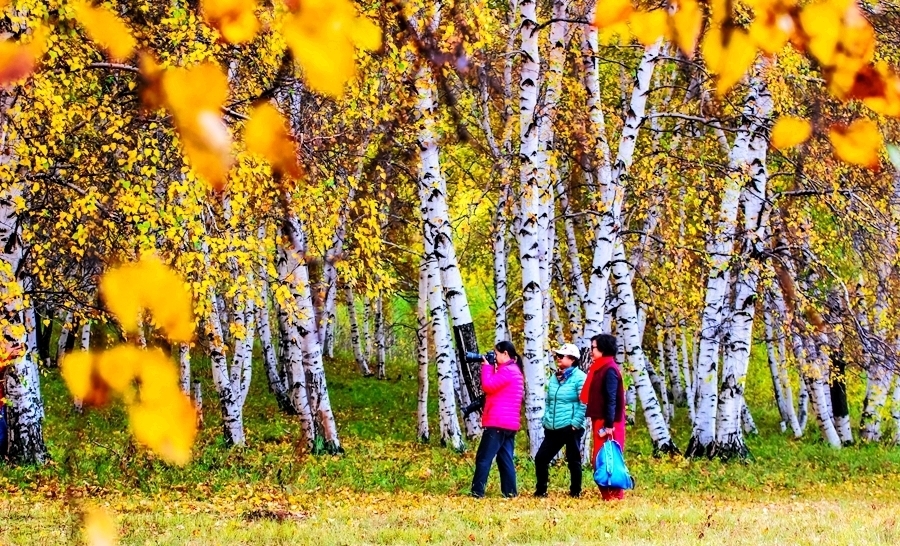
[[149, 284], [266, 134], [18, 60], [234, 19], [195, 97], [104, 27], [161, 417], [323, 36], [789, 132], [859, 143]]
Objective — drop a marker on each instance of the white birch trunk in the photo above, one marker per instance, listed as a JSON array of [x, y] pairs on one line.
[[803, 405], [780, 383], [528, 234], [675, 383], [84, 345], [355, 339], [451, 434], [636, 365], [379, 338], [367, 333], [501, 297], [747, 423], [184, 368], [24, 404], [613, 191], [811, 374], [879, 373], [274, 371], [578, 291], [422, 430], [630, 404], [329, 270], [229, 392], [729, 439], [545, 161], [86, 335], [292, 353], [689, 386], [436, 212], [658, 380], [64, 333], [720, 248], [319, 401]]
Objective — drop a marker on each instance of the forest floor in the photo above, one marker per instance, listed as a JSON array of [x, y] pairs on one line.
[[388, 488]]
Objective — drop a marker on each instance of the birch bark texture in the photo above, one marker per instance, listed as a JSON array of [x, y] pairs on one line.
[[436, 212], [736, 359], [325, 426], [25, 406], [720, 247], [528, 234]]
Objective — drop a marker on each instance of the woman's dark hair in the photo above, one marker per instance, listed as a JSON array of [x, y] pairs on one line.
[[510, 349], [606, 344]]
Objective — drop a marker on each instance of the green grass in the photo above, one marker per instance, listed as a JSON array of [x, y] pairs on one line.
[[390, 488]]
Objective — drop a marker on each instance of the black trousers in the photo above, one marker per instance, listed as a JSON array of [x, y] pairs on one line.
[[554, 440]]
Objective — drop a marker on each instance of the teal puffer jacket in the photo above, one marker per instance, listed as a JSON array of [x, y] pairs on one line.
[[564, 407]]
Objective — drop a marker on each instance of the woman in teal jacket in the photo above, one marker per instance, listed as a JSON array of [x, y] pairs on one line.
[[563, 421]]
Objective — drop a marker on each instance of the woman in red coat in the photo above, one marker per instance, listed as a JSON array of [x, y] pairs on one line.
[[604, 394]]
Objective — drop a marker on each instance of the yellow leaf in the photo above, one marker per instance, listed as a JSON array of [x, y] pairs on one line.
[[118, 367], [99, 527], [18, 60], [687, 22], [729, 55], [104, 27], [76, 369], [649, 26], [859, 143], [149, 284], [610, 12], [234, 19], [167, 427], [772, 29], [789, 132], [323, 36], [195, 97], [266, 134]]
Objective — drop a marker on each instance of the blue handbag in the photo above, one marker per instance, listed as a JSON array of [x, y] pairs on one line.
[[610, 467]]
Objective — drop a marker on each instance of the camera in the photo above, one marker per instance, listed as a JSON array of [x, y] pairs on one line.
[[474, 358], [477, 405]]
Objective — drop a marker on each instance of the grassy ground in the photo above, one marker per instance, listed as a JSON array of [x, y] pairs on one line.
[[388, 488]]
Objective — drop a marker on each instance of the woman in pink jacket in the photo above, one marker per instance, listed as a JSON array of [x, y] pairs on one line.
[[504, 387]]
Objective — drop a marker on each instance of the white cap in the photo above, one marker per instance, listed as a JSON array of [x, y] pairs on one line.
[[569, 349]]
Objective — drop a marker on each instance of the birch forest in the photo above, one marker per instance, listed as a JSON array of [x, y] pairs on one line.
[[199, 195]]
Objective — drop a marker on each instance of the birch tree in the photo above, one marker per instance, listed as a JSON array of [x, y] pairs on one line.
[[319, 401], [720, 248], [528, 234], [731, 403]]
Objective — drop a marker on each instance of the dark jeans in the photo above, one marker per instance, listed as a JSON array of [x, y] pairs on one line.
[[554, 440], [499, 443]]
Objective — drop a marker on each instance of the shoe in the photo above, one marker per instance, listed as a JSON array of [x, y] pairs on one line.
[[476, 496], [575, 495], [540, 494]]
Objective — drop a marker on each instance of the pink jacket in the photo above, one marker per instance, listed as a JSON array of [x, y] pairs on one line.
[[504, 389]]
